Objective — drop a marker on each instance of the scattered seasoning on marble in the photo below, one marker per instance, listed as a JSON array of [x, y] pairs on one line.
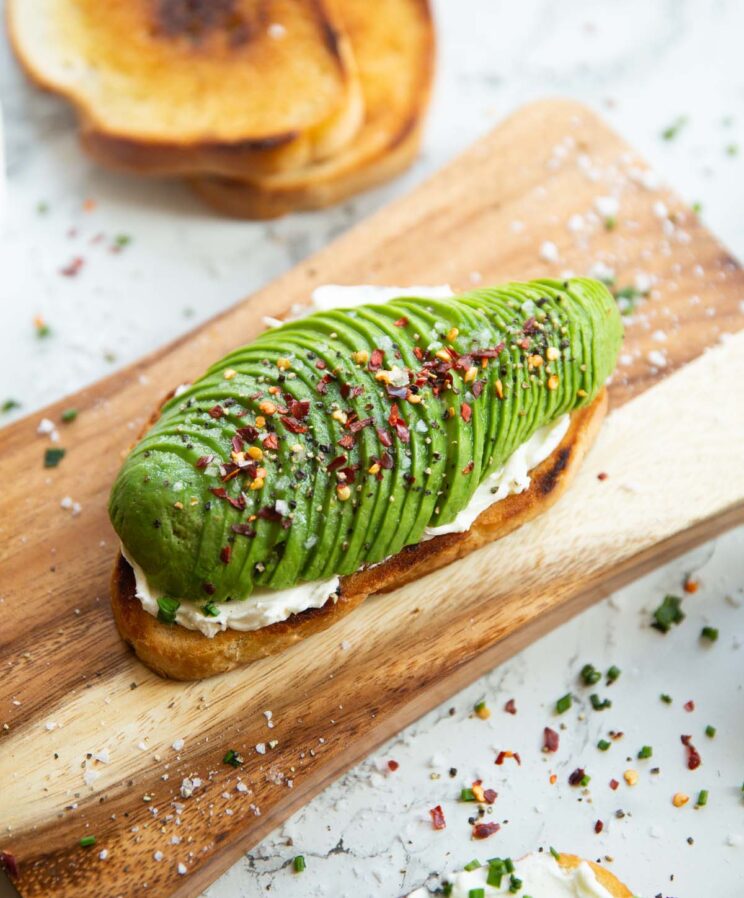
[[53, 456], [693, 756], [437, 817], [668, 614]]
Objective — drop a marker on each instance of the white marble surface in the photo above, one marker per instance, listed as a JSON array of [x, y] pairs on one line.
[[644, 65]]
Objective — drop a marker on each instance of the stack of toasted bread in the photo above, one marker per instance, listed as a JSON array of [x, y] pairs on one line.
[[264, 106]]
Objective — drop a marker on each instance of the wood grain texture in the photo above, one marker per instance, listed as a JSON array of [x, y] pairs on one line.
[[671, 447]]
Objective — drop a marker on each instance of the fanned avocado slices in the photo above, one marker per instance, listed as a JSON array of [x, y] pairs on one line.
[[331, 442]]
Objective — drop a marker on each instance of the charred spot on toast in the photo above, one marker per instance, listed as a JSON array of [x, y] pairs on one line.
[[196, 19], [550, 480]]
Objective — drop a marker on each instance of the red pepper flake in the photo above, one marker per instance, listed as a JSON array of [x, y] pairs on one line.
[[218, 491], [243, 530], [9, 864], [299, 408], [437, 817], [530, 326], [693, 756], [322, 385], [271, 441], [293, 425], [269, 513], [613, 785], [237, 444], [575, 778], [598, 827], [204, 460], [488, 353], [375, 360], [73, 267], [248, 433], [551, 740], [238, 503], [503, 755], [690, 585], [384, 437], [466, 412], [484, 830], [602, 475], [347, 441], [468, 467], [401, 322], [216, 411], [418, 352], [489, 796], [209, 588], [320, 365], [510, 707], [356, 426], [393, 765], [478, 388], [225, 554], [386, 461], [689, 706], [338, 462]]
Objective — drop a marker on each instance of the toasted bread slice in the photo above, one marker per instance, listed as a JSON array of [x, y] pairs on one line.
[[393, 43], [173, 651], [184, 86]]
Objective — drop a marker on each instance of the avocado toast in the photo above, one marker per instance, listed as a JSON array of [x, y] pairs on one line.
[[334, 456]]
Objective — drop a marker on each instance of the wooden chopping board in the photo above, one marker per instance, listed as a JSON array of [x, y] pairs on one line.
[[87, 734]]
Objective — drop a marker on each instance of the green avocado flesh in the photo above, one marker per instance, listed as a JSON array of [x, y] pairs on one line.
[[331, 442]]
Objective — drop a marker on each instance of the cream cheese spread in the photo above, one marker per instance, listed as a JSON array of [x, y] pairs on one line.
[[541, 876]]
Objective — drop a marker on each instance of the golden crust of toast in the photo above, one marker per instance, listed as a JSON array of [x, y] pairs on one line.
[[176, 86], [181, 654], [394, 52], [604, 877]]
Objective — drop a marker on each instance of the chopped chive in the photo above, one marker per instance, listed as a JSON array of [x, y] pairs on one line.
[[514, 884], [232, 758], [709, 633], [667, 699], [495, 875], [732, 149], [53, 456], [87, 841], [671, 131], [477, 893], [590, 675], [69, 414], [646, 752], [472, 865], [613, 674], [585, 780], [697, 208], [167, 608], [122, 240], [210, 610], [467, 795], [710, 732], [9, 405], [42, 329], [299, 864], [564, 703], [42, 208], [668, 613], [509, 865], [610, 223], [447, 889], [599, 704], [479, 706], [603, 745], [556, 854], [702, 798]]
